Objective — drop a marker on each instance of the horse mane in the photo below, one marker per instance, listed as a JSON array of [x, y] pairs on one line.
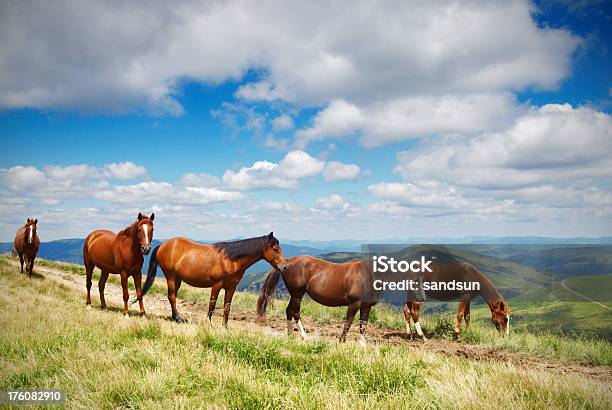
[[245, 247], [128, 230]]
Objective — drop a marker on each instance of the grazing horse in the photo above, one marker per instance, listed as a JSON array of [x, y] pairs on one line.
[[220, 265], [119, 254], [328, 283], [460, 272], [26, 245]]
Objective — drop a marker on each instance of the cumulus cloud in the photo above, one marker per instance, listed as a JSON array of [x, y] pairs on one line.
[[132, 56], [337, 171], [413, 117], [124, 170], [332, 202], [547, 144], [551, 161], [286, 174], [55, 184]]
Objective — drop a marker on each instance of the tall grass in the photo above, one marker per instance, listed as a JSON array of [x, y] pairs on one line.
[[570, 346], [103, 360]]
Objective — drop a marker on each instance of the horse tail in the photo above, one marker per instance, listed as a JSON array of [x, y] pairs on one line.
[[267, 289], [151, 273], [14, 251]]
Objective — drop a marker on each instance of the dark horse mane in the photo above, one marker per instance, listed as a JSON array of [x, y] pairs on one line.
[[246, 247]]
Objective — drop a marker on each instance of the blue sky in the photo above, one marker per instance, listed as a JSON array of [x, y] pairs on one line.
[[232, 119]]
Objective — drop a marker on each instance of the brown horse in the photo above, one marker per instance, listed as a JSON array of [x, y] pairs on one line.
[[328, 283], [26, 245], [220, 265], [119, 254], [466, 273]]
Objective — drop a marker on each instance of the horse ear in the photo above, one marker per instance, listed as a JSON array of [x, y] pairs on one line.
[[271, 235], [139, 216], [152, 217], [28, 221], [36, 220], [502, 306]]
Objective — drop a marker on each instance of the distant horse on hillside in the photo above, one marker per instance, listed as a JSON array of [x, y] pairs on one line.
[[119, 254], [220, 265], [330, 284], [459, 272], [26, 245]]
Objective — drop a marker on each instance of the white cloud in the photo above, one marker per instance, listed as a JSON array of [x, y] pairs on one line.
[[152, 192], [282, 123], [261, 175], [286, 174], [55, 184], [332, 202], [131, 56], [553, 163], [413, 117], [124, 170], [269, 175], [337, 171], [298, 164], [553, 143]]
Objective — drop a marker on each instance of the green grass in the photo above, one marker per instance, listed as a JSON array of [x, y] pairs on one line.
[[567, 331], [103, 360]]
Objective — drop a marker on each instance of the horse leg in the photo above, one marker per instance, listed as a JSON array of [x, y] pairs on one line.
[[101, 286], [459, 317], [227, 303], [214, 294], [174, 283], [88, 273], [21, 261], [30, 267], [364, 315], [415, 313], [126, 295], [466, 314], [350, 315], [292, 308], [137, 284], [407, 308], [297, 318]]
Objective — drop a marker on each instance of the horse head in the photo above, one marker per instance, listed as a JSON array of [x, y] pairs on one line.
[[30, 231], [500, 316], [273, 253], [144, 227]]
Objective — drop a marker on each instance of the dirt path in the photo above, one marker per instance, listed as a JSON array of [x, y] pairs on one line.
[[588, 299], [157, 305]]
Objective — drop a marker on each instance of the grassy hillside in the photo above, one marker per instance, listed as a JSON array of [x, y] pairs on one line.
[[103, 360]]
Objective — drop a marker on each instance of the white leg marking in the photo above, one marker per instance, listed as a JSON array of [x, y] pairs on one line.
[[508, 325], [408, 329], [302, 331], [417, 325], [362, 340]]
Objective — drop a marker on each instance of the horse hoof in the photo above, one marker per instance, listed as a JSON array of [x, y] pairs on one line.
[[143, 313], [126, 315], [179, 320]]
